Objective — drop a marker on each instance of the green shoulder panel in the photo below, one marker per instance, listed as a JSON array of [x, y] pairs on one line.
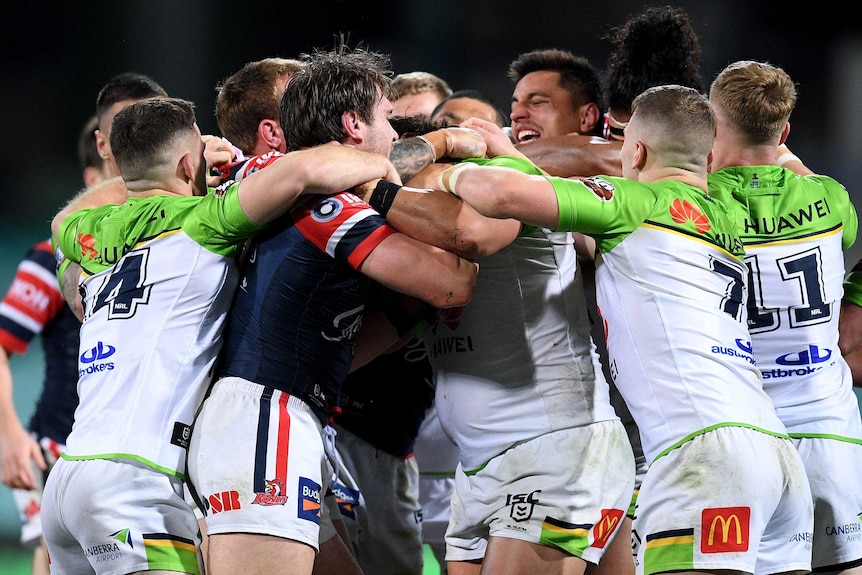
[[216, 222], [611, 208], [772, 203]]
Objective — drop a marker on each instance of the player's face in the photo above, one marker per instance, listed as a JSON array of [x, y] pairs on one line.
[[415, 104], [455, 111], [379, 133], [542, 108], [103, 137]]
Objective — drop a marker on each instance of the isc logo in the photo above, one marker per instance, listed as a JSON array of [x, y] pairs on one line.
[[224, 501]]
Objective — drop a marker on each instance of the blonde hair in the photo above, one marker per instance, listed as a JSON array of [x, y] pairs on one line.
[[754, 97], [418, 83]]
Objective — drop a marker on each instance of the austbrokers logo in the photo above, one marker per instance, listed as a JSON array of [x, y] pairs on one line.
[[92, 359]]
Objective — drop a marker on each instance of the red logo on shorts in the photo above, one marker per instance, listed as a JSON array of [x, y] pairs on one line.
[[725, 529], [273, 494], [606, 526], [224, 501]]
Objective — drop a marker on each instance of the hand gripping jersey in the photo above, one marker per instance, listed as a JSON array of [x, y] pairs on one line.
[[159, 276], [34, 306], [670, 288], [795, 230], [518, 361], [300, 301]]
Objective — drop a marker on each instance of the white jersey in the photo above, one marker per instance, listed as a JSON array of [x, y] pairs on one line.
[[152, 321], [671, 295], [517, 362], [795, 231]]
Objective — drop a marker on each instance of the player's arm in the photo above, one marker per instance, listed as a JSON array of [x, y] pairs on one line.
[[574, 155], [437, 277], [787, 159], [112, 191], [438, 218], [854, 360], [499, 192], [412, 155], [17, 447], [326, 169], [850, 317]]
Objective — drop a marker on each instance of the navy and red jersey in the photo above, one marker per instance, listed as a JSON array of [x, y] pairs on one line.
[[385, 401], [300, 300], [33, 305]]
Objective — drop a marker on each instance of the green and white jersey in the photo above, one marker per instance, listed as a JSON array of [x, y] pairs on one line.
[[517, 362], [670, 288], [159, 276], [795, 230]]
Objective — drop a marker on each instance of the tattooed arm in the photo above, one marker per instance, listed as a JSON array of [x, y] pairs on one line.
[[411, 155]]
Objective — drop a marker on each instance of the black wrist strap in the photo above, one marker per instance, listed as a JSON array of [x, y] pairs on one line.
[[382, 197]]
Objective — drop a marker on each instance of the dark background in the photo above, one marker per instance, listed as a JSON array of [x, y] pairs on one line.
[[56, 56]]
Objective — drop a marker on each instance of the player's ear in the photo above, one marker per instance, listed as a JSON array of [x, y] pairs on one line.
[[639, 157], [590, 117], [269, 132], [351, 124], [186, 168], [784, 133], [101, 144]]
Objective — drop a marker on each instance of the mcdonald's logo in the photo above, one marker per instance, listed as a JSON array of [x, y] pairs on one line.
[[725, 529], [606, 526]]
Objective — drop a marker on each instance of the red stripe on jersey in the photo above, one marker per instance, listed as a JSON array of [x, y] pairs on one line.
[[283, 441], [319, 227], [34, 298], [358, 255], [13, 344]]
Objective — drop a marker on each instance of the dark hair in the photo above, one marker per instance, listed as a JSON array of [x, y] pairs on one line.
[[330, 84], [577, 75], [656, 47], [127, 86], [88, 152], [406, 126], [141, 132], [248, 97], [502, 118]]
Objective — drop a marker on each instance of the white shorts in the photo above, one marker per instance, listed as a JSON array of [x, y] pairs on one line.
[[386, 530], [29, 501], [732, 498], [568, 489], [107, 516], [834, 468], [257, 462], [435, 496]]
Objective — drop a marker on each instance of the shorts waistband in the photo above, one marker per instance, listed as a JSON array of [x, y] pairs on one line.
[[257, 390]]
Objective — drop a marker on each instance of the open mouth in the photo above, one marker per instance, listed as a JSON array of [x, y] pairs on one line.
[[527, 135]]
